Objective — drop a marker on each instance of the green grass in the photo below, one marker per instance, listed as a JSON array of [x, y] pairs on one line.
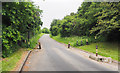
[[106, 49], [10, 62], [73, 40], [34, 40]]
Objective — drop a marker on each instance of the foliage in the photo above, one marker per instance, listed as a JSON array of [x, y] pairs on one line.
[[45, 30], [10, 62], [108, 20], [18, 18], [54, 27], [93, 19], [73, 40], [101, 19], [34, 40]]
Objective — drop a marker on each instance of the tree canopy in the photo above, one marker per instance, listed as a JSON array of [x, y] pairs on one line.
[[101, 19], [18, 18], [45, 30]]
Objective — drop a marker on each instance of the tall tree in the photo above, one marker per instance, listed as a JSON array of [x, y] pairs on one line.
[[18, 19]]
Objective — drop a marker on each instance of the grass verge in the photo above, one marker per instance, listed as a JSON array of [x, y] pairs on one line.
[[106, 49], [10, 62], [34, 40]]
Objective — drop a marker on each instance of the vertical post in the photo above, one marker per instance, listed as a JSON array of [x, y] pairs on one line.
[[39, 45], [69, 45], [96, 50]]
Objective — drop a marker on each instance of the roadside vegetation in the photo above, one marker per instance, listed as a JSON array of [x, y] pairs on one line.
[[20, 22], [45, 30], [10, 62], [21, 28], [96, 22], [107, 49], [34, 40], [0, 65]]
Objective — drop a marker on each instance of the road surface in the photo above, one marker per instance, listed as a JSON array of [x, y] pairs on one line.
[[56, 57]]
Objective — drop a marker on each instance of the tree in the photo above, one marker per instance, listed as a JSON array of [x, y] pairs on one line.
[[100, 19], [45, 30], [108, 21], [18, 18], [54, 29]]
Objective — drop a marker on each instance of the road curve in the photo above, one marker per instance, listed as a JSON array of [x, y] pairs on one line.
[[55, 57]]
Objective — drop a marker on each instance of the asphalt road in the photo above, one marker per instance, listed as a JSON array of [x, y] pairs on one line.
[[56, 57]]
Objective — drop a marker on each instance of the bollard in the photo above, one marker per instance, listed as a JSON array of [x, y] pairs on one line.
[[86, 41], [81, 43], [77, 43], [39, 45], [68, 45], [96, 50]]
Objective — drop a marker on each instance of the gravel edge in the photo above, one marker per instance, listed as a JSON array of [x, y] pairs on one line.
[[24, 61]]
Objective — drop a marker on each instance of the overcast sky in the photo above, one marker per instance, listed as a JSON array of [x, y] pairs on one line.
[[56, 9]]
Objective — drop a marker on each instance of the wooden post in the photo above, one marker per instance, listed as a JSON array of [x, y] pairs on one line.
[[39, 45], [96, 50], [68, 45]]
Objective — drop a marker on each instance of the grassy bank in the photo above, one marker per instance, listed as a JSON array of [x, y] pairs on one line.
[[10, 62], [106, 49], [34, 40]]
